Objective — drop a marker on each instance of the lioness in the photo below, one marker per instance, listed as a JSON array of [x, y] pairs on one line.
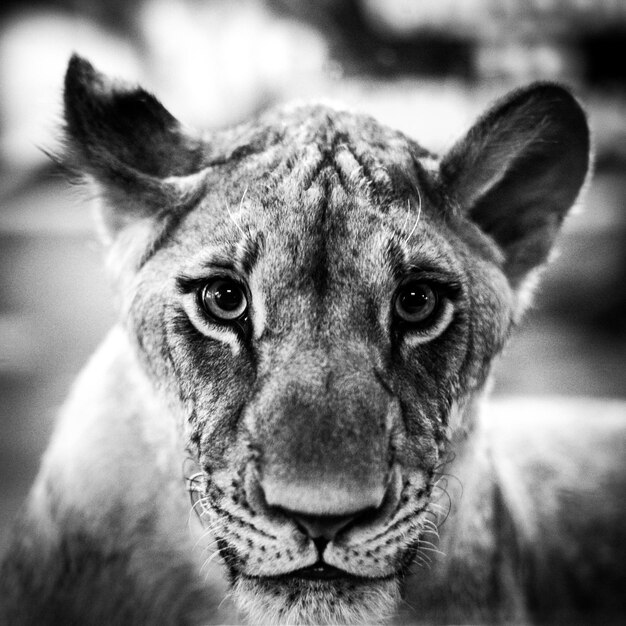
[[309, 307]]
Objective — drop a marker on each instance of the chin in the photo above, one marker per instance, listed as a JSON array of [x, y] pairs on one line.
[[293, 600]]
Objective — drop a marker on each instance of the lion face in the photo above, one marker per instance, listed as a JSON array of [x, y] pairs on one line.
[[317, 333], [320, 300]]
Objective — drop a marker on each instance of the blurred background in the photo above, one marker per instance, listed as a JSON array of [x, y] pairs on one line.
[[428, 67]]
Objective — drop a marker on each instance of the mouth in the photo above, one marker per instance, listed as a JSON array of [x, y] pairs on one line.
[[322, 572], [318, 571]]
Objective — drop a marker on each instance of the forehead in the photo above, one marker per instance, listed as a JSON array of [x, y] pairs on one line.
[[318, 181]]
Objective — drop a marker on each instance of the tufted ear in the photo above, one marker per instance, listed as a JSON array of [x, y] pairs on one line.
[[518, 171], [128, 142]]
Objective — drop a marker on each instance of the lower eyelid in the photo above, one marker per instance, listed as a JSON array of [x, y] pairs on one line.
[[418, 336], [198, 317]]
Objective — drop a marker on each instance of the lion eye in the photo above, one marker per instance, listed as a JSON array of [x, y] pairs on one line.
[[224, 299], [416, 302]]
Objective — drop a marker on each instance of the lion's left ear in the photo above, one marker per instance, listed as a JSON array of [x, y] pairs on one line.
[[518, 171], [128, 142]]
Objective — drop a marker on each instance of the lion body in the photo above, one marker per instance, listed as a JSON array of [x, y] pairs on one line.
[[309, 308]]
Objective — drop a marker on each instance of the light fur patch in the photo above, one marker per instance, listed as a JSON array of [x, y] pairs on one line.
[[88, 423], [203, 325], [317, 603], [124, 255], [347, 164], [259, 314], [429, 163]]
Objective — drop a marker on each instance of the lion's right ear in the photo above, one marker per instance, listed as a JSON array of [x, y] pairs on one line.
[[125, 139]]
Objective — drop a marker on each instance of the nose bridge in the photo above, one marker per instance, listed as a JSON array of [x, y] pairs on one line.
[[320, 424]]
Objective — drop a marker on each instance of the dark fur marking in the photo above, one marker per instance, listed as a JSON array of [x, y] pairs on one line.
[[252, 249], [319, 271], [396, 259], [182, 326], [236, 520]]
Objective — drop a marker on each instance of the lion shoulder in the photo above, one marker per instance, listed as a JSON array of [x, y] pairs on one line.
[[104, 532], [560, 471]]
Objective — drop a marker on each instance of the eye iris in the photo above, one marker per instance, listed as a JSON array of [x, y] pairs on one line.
[[224, 299], [416, 302]]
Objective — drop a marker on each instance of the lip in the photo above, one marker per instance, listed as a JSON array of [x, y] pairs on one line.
[[319, 571]]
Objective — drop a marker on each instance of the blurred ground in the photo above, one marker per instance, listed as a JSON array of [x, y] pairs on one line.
[[424, 72]]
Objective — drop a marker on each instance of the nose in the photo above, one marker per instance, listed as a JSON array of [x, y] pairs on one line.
[[323, 511]]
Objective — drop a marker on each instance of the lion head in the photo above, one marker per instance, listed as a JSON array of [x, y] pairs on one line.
[[319, 300]]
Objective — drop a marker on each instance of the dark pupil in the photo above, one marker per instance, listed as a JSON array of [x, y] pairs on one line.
[[227, 298], [414, 299]]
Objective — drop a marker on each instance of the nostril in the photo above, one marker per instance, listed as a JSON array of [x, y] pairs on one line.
[[324, 527], [320, 543]]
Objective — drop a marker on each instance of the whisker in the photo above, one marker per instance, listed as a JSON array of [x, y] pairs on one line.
[[232, 219], [228, 595], [408, 215], [425, 557], [205, 535], [202, 504], [196, 478], [436, 506], [245, 191], [428, 543], [208, 561], [210, 546], [433, 550], [427, 521], [410, 607], [421, 561]]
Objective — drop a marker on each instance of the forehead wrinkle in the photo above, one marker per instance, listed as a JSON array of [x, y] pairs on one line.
[[330, 147]]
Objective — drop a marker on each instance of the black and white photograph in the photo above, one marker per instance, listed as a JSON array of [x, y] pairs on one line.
[[312, 312]]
